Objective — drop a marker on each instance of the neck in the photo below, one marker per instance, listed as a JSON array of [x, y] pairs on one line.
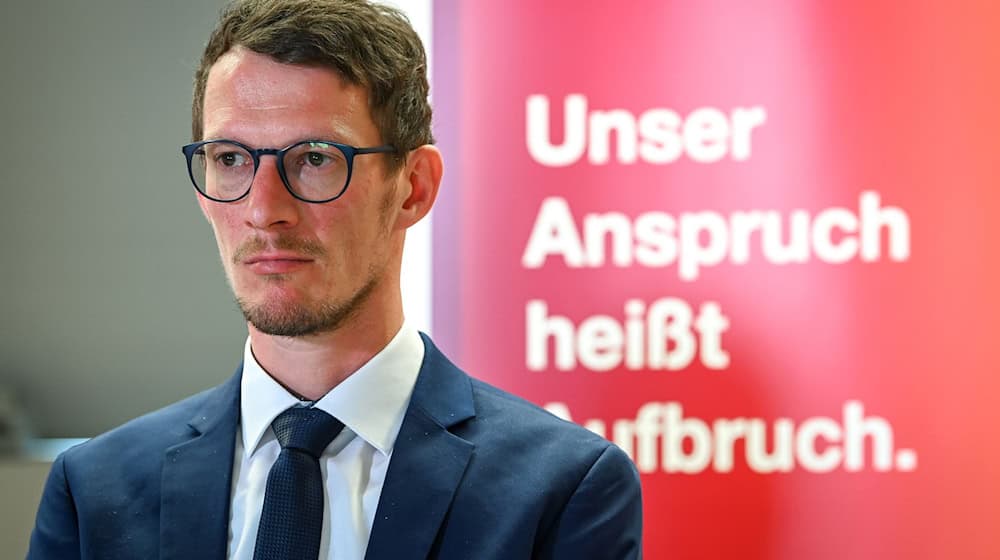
[[310, 366]]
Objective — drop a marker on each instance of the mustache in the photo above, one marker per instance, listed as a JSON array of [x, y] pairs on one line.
[[255, 245]]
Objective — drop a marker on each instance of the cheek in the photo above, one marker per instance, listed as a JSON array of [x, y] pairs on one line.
[[223, 226]]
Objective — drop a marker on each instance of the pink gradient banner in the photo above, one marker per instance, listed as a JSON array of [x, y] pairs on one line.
[[751, 243]]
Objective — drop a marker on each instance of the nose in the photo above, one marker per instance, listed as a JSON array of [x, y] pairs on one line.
[[269, 204]]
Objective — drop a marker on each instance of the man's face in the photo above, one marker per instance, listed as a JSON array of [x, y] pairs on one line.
[[299, 268]]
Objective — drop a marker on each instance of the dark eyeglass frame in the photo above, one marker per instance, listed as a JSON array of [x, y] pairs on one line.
[[349, 152]]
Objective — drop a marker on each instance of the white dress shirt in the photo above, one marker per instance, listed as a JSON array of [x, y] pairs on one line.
[[371, 403]]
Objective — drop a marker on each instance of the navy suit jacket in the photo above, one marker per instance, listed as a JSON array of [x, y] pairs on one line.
[[476, 473]]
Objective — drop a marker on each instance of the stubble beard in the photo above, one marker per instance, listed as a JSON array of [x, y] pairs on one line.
[[300, 319]]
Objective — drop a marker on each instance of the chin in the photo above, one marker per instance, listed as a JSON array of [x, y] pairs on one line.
[[295, 318]]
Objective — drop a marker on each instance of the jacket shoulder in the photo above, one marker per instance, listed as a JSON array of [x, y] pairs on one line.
[[562, 490], [498, 404], [135, 441], [516, 427]]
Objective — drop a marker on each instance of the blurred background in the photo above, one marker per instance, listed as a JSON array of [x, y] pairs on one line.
[[114, 301]]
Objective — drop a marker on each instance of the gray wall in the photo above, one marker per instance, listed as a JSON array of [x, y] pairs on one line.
[[21, 484], [111, 297]]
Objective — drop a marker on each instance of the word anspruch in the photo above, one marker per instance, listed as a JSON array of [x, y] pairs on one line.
[[695, 240]]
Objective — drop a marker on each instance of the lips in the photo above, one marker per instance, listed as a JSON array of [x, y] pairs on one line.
[[276, 263]]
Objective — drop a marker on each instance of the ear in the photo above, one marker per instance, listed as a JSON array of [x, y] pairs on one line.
[[421, 178]]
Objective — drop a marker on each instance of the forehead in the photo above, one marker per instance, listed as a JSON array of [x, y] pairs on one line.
[[252, 97]]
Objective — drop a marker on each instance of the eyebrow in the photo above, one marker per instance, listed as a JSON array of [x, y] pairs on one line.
[[296, 140]]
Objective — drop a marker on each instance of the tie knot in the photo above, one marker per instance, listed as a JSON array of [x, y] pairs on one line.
[[306, 429]]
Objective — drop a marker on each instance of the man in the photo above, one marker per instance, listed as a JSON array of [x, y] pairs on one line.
[[344, 433]]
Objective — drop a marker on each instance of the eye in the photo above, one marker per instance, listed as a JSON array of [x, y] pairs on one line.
[[317, 159], [230, 159]]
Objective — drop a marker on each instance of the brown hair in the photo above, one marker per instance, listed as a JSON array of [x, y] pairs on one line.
[[369, 45]]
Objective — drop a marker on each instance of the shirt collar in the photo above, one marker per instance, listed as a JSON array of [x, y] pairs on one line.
[[371, 402]]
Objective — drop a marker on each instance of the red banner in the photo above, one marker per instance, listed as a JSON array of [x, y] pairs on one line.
[[751, 243]]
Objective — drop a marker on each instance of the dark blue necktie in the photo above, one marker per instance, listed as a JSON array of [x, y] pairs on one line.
[[291, 523]]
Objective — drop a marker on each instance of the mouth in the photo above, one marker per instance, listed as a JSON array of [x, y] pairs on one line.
[[276, 263]]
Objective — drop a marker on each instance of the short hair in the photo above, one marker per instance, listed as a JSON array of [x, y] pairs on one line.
[[368, 44]]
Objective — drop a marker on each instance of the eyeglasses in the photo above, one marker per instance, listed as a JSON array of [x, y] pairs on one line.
[[312, 170]]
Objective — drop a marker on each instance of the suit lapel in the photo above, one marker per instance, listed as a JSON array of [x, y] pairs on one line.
[[196, 480], [427, 462]]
